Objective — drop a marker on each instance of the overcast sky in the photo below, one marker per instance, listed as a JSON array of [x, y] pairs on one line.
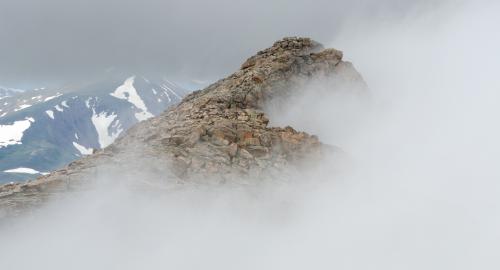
[[59, 40]]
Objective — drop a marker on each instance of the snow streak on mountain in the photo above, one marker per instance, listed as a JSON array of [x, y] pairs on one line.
[[44, 129]]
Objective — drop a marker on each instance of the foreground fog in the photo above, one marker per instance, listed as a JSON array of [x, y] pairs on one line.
[[421, 189]]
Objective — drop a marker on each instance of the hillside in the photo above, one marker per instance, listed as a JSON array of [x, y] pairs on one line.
[[217, 135], [43, 130]]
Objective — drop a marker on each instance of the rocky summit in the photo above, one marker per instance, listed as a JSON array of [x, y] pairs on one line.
[[216, 135]]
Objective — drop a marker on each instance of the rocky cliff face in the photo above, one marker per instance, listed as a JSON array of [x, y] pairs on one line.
[[216, 135]]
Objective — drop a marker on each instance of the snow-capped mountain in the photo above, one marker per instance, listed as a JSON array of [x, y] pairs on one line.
[[44, 129], [6, 92]]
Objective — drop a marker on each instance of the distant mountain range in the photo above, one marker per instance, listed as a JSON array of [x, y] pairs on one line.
[[44, 129], [6, 92]]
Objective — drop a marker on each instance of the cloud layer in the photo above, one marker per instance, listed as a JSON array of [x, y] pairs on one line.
[[60, 40], [422, 191]]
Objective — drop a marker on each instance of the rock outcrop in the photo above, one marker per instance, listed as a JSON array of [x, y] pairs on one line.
[[219, 134]]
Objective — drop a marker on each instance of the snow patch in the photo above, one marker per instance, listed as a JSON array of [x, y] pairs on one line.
[[65, 104], [13, 134], [52, 97], [24, 170], [170, 89], [101, 122], [87, 103], [171, 83], [141, 116], [128, 92], [50, 113], [82, 149], [58, 108], [22, 107], [165, 91]]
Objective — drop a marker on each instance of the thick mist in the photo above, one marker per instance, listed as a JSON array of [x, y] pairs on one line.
[[58, 41], [420, 189]]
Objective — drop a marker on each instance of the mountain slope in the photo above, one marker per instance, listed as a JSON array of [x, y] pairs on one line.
[[46, 129], [217, 135], [6, 92]]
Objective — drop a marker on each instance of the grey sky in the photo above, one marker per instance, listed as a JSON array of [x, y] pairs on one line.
[[57, 40]]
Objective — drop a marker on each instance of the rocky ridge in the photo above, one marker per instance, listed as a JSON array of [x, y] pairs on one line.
[[45, 129], [217, 135]]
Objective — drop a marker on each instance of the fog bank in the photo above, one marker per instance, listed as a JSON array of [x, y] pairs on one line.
[[420, 190]]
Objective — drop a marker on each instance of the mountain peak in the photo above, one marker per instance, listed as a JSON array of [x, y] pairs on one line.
[[275, 70], [219, 134]]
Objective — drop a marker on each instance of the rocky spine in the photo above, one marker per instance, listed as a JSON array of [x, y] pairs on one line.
[[217, 135]]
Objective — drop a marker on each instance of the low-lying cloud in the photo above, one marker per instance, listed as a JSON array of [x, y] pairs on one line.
[[421, 189]]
